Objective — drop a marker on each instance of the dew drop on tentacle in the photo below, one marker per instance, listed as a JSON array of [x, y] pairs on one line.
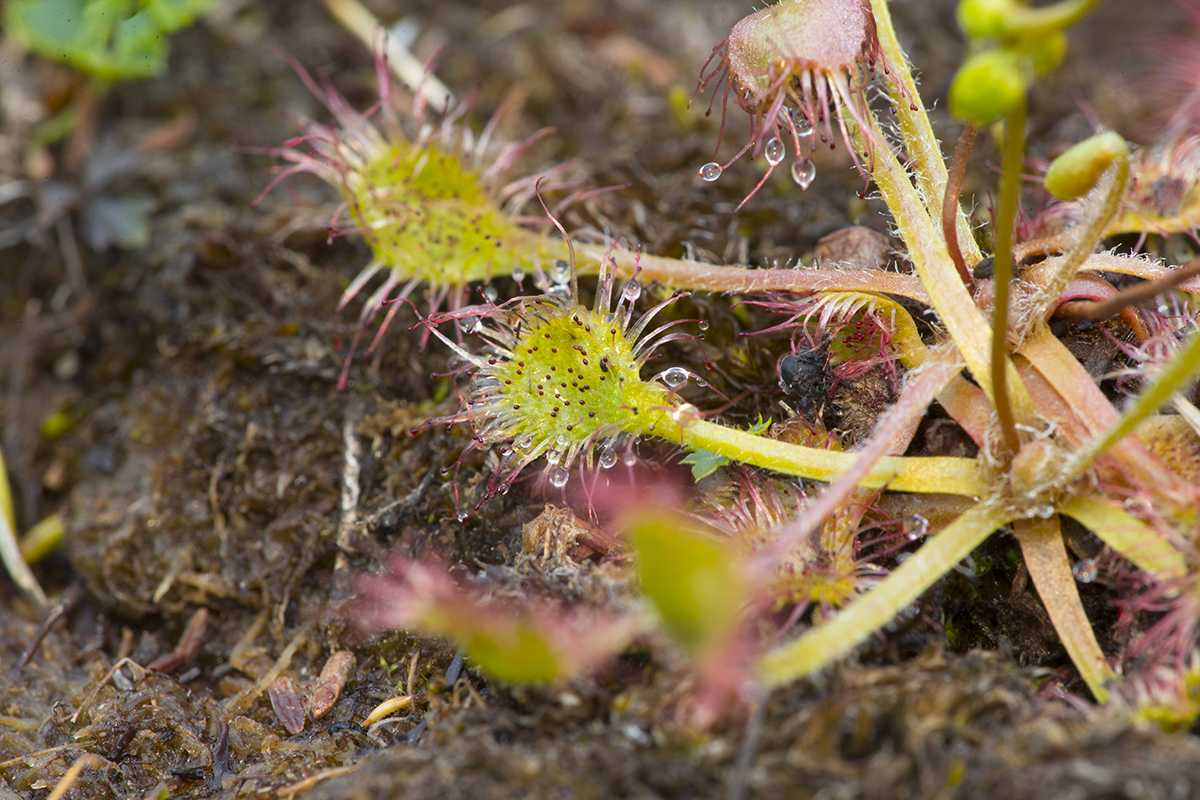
[[702, 325], [560, 273], [675, 377], [631, 291], [803, 127], [1085, 570], [518, 274], [490, 294], [914, 527], [461, 516], [803, 172], [559, 477], [469, 323], [711, 171], [629, 458], [774, 151], [553, 456]]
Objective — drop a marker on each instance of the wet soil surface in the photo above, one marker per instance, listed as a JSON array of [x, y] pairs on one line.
[[199, 445]]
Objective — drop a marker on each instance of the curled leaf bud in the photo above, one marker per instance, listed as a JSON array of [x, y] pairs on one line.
[[988, 85], [1076, 171], [1047, 51]]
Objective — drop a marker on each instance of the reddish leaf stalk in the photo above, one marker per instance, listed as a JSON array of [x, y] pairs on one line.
[[958, 170]]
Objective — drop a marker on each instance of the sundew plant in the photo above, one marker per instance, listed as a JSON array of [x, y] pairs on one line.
[[566, 389]]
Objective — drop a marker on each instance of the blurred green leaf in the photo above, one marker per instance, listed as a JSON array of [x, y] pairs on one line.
[[691, 579], [519, 657], [111, 39]]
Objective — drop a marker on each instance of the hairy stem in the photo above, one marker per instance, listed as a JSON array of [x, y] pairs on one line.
[[1086, 243], [820, 646], [935, 474], [919, 140], [947, 294], [1135, 540], [695, 276]]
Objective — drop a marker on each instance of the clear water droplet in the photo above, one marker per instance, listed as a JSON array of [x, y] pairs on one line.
[[803, 172], [1085, 570], [525, 442], [608, 458], [631, 291], [702, 324], [461, 516], [559, 290], [561, 272], [563, 441], [469, 323], [914, 527], [553, 456], [675, 377], [1044, 512], [803, 126], [711, 171], [774, 151], [490, 294], [559, 477], [518, 274], [629, 458], [685, 414], [505, 449]]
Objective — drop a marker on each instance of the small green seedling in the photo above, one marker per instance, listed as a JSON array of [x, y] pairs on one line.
[[110, 39]]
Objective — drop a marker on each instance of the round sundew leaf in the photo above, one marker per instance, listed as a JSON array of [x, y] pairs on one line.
[[572, 373]]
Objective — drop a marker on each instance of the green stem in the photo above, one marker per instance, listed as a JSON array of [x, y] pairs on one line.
[[935, 474], [1010, 185], [820, 646], [1168, 380], [1024, 22]]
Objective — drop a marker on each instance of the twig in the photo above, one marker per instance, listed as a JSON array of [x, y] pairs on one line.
[[362, 23], [749, 748], [64, 605], [72, 774]]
